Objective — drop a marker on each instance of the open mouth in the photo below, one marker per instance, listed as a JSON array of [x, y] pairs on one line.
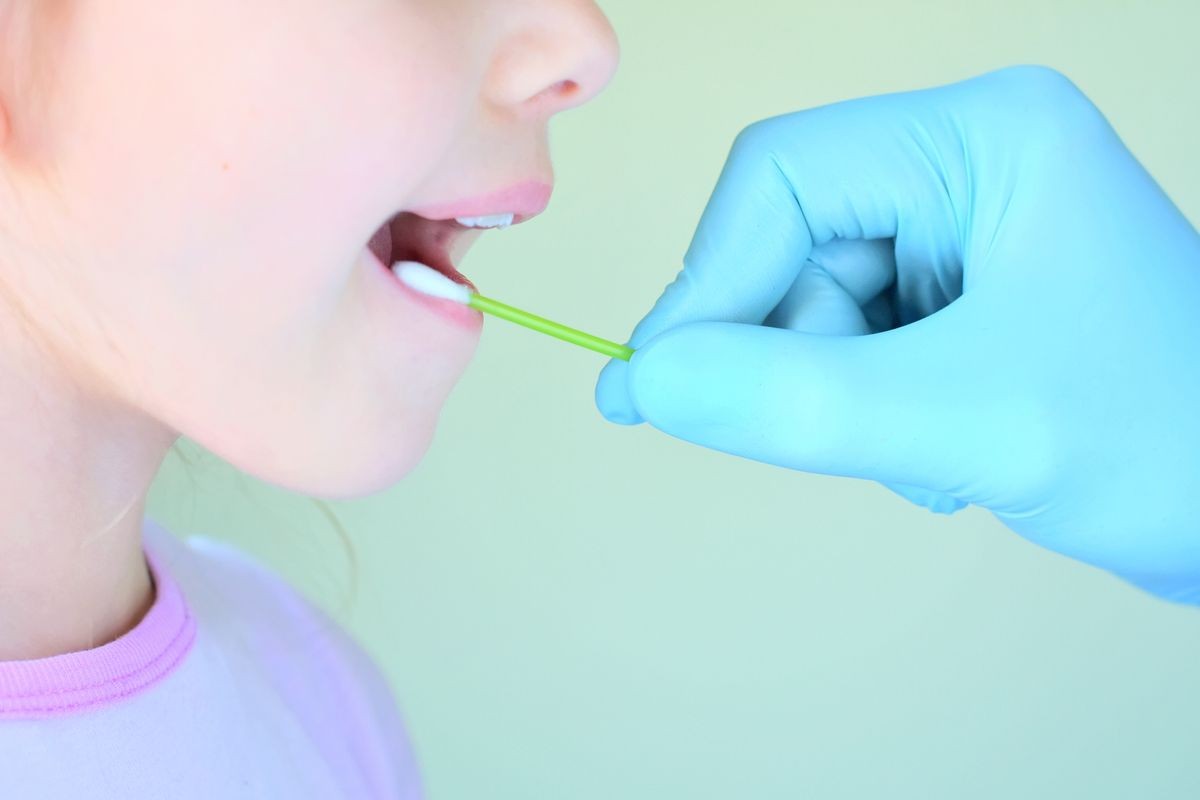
[[410, 237], [435, 242], [438, 236]]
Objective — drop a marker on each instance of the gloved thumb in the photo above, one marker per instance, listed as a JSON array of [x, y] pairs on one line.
[[904, 406]]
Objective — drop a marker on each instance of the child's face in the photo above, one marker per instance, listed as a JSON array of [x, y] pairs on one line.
[[217, 170]]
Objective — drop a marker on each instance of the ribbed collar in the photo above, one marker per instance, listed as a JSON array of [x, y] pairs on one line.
[[76, 682]]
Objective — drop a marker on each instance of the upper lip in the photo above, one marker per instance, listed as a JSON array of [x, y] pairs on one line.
[[524, 200], [431, 235]]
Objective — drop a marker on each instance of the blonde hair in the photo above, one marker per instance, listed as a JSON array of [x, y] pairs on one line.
[[31, 34]]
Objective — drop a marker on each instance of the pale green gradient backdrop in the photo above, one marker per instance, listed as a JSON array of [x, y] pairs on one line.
[[570, 609]]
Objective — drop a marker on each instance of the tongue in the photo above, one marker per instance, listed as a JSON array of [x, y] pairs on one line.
[[381, 243]]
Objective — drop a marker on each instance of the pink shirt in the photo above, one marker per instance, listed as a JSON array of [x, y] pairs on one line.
[[231, 686]]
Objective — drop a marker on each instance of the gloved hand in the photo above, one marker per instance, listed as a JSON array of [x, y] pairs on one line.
[[973, 294]]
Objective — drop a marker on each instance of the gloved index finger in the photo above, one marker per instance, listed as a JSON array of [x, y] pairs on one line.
[[749, 246], [849, 170]]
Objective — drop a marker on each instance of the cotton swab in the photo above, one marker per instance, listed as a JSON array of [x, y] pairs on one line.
[[427, 280]]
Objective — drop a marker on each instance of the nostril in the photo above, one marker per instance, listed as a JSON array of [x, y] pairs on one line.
[[559, 93], [565, 89], [559, 59]]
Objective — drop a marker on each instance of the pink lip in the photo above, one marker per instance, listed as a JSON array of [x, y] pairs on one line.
[[525, 200]]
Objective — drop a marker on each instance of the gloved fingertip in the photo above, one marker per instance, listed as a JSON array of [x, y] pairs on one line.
[[945, 504], [937, 502], [612, 394]]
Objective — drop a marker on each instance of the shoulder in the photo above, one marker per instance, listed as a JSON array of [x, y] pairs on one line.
[[263, 624]]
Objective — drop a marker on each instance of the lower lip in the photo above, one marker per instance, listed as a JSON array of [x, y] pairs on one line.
[[448, 310]]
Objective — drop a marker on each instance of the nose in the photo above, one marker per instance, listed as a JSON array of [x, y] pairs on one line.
[[561, 55]]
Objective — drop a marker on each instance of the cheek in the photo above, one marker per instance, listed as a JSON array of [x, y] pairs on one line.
[[223, 230], [292, 144], [341, 409]]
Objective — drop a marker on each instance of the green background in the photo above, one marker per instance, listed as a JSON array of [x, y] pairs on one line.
[[572, 609]]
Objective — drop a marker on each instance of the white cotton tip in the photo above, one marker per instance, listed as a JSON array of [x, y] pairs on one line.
[[427, 280]]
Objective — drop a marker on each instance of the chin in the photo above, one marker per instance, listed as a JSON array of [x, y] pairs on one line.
[[377, 464], [372, 448]]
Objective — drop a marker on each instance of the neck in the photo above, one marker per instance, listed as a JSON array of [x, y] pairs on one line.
[[73, 482]]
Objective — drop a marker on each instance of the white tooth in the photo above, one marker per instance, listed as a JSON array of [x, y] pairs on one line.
[[492, 221]]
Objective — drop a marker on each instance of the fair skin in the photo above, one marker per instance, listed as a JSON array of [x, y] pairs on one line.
[[183, 221]]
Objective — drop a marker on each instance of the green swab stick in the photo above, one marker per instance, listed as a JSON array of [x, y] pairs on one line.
[[429, 281], [543, 325]]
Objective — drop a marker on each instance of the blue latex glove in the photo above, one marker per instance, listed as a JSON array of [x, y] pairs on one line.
[[973, 294]]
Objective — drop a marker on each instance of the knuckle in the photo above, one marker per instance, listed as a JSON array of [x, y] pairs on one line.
[[757, 139], [1039, 78], [1051, 96], [1047, 117]]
